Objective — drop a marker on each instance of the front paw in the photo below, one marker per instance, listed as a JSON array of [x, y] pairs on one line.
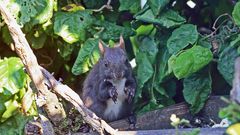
[[113, 93], [130, 92]]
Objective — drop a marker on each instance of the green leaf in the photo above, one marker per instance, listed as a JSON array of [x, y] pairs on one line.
[[44, 11], [130, 5], [204, 43], [7, 38], [88, 55], [231, 112], [65, 49], [163, 64], [152, 105], [11, 107], [236, 13], [106, 31], [27, 9], [190, 61], [160, 90], [14, 126], [94, 4], [37, 38], [141, 30], [226, 63], [149, 47], [168, 18], [71, 26], [33, 11], [197, 89], [144, 71], [182, 37], [157, 5], [12, 76]]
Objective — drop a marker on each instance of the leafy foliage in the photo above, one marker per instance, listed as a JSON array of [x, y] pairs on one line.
[[13, 82], [175, 47]]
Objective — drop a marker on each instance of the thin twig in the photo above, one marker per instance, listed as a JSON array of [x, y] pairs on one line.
[[107, 6], [215, 22]]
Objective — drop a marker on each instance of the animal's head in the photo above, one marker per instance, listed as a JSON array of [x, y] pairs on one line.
[[114, 62]]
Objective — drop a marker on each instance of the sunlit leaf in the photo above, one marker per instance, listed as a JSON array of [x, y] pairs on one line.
[[88, 55], [190, 61], [71, 26]]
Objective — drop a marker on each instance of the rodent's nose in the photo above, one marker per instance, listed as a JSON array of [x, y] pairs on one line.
[[119, 75]]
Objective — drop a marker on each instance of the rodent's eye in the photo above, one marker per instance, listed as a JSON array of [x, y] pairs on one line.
[[105, 64], [126, 61]]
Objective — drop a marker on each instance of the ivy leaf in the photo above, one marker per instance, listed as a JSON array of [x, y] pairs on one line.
[[71, 26], [106, 31], [130, 5], [190, 61], [197, 89], [236, 13], [168, 18], [88, 55], [226, 63], [182, 37], [157, 5]]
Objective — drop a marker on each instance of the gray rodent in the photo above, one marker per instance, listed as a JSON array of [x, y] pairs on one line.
[[110, 86]]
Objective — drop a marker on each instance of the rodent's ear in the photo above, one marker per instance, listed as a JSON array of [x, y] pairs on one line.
[[121, 42], [101, 47]]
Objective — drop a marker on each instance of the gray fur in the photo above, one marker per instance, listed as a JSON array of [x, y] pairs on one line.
[[109, 89]]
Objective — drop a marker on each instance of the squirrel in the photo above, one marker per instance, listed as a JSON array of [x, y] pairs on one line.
[[110, 86]]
